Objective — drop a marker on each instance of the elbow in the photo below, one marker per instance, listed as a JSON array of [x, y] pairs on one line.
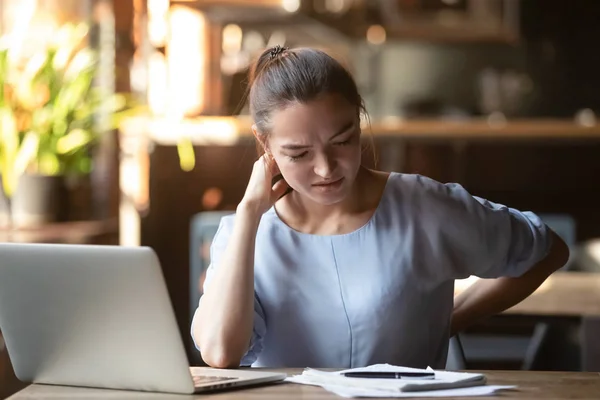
[[220, 346], [218, 357], [559, 252], [557, 257], [217, 352]]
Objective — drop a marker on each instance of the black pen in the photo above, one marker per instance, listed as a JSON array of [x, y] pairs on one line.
[[390, 375]]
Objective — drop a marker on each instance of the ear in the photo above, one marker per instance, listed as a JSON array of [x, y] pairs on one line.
[[260, 139], [254, 131]]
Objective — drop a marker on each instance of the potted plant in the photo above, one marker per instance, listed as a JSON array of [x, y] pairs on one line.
[[48, 124]]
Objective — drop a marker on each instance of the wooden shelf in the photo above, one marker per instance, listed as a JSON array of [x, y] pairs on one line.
[[232, 130], [483, 129]]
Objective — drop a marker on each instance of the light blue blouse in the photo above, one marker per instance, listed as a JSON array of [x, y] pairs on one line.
[[383, 293]]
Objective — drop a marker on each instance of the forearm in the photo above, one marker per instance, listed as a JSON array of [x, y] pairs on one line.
[[488, 297], [225, 316]]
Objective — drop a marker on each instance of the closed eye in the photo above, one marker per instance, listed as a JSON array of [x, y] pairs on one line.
[[344, 143], [347, 141], [298, 157]]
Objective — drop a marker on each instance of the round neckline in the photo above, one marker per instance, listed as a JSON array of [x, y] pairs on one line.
[[341, 235]]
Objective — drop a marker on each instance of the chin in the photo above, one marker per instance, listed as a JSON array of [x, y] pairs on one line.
[[328, 197]]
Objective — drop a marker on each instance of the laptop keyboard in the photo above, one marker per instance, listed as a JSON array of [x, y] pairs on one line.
[[204, 379]]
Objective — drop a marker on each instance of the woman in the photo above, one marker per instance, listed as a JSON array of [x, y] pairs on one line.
[[337, 265]]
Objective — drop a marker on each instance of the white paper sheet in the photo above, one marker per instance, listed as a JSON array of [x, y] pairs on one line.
[[445, 384], [485, 390]]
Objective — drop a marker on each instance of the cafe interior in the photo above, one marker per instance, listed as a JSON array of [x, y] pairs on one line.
[[501, 96]]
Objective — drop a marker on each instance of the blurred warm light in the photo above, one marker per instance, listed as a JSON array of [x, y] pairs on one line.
[[496, 119], [157, 90], [134, 167], [276, 38], [253, 42], [129, 225], [66, 41], [29, 30], [203, 130], [586, 117], [138, 73], [82, 60], [376, 34], [336, 6], [157, 22], [450, 2], [186, 53], [234, 63], [290, 5], [593, 249], [138, 69], [70, 35], [232, 39], [212, 198], [224, 131]]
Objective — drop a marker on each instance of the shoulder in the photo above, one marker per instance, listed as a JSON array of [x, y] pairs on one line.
[[419, 194], [422, 187]]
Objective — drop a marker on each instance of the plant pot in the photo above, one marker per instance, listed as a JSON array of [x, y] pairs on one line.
[[79, 198], [38, 200]]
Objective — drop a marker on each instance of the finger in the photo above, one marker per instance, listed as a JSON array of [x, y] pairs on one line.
[[261, 162], [279, 189], [271, 163], [266, 164], [276, 179]]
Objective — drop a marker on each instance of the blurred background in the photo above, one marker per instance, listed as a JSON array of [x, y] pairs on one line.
[[123, 122]]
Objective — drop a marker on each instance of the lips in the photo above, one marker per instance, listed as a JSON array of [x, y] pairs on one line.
[[328, 183]]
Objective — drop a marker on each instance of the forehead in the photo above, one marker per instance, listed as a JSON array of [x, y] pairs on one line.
[[319, 118]]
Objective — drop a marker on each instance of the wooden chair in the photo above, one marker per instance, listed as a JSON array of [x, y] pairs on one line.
[[456, 356], [203, 228]]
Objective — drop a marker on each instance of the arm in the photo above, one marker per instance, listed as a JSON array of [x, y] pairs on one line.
[[224, 320], [226, 310], [491, 296]]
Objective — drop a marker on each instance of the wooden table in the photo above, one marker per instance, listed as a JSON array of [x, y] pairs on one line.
[[531, 385], [564, 294]]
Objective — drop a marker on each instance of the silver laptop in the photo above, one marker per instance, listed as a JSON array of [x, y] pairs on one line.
[[99, 316]]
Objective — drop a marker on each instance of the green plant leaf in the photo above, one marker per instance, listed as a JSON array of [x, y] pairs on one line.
[[26, 153], [185, 149], [49, 164], [73, 141], [9, 145], [3, 74]]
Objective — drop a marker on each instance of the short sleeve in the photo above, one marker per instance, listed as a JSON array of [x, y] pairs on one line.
[[468, 235], [217, 249]]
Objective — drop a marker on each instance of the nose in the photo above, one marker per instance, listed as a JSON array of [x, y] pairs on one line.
[[325, 166]]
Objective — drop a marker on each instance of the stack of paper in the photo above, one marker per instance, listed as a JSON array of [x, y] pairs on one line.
[[445, 383]]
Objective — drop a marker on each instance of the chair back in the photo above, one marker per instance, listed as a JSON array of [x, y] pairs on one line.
[[203, 228]]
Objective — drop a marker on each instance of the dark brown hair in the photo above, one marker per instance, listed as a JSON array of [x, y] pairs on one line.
[[283, 76]]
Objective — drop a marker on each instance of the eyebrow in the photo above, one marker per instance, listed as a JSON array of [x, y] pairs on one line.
[[300, 146]]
